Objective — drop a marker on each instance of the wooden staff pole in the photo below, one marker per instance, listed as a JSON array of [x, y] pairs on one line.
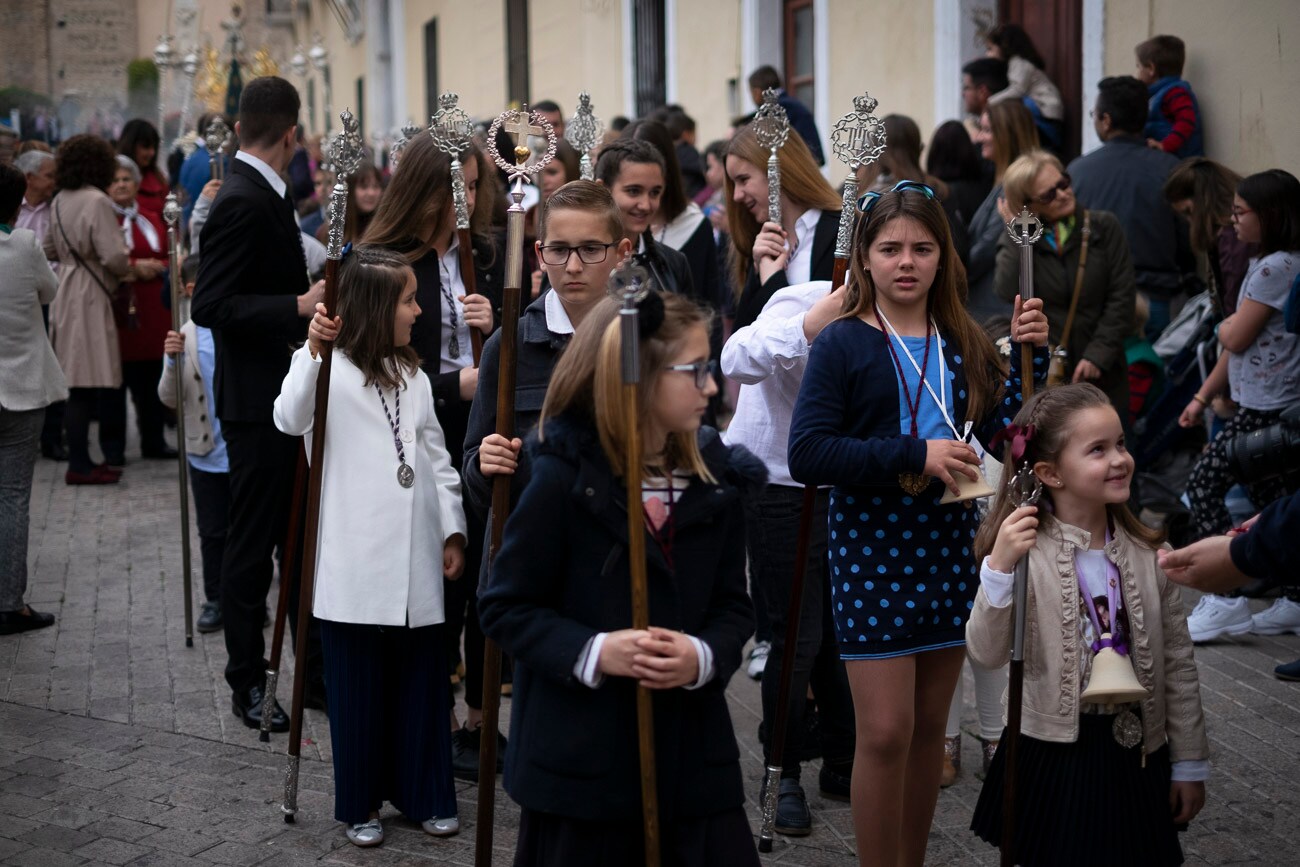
[[345, 152], [519, 124]]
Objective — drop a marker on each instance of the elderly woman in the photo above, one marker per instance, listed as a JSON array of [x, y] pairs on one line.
[[1082, 271], [30, 380], [141, 335], [87, 242]]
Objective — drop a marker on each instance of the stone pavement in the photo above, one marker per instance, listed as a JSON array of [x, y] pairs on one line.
[[118, 746]]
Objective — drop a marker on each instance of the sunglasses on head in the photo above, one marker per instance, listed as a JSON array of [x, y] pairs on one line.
[[1050, 196], [867, 201]]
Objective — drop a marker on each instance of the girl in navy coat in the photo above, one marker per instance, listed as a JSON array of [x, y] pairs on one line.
[[880, 416], [559, 602]]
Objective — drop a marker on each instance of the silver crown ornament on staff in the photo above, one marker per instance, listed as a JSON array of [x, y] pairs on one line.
[[346, 152], [172, 216], [451, 130], [858, 140], [772, 128], [584, 131], [519, 124], [217, 139], [409, 130]]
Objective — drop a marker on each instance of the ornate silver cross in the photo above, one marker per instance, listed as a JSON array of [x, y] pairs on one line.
[[1025, 228]]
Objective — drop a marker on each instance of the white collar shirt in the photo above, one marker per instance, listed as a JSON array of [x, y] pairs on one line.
[[271, 175], [557, 318], [799, 268]]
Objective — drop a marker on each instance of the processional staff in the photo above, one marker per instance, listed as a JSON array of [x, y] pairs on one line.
[[172, 215], [1025, 230], [584, 131], [772, 128], [451, 129], [520, 124], [346, 152], [858, 140], [216, 137]]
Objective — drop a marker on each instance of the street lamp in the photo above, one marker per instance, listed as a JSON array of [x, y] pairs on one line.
[[164, 58], [320, 58], [190, 66], [299, 63]]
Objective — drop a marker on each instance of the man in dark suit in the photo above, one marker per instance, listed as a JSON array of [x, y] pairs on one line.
[[253, 292], [801, 119]]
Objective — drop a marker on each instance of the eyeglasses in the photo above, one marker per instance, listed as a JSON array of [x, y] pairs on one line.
[[703, 370], [1050, 196], [588, 254], [868, 200], [1238, 213]]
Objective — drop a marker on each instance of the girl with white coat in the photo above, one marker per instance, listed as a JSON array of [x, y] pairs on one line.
[[391, 526]]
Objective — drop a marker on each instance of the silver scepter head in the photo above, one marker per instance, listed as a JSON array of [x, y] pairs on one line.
[[171, 211], [583, 131], [1025, 487], [630, 283], [857, 140], [409, 131], [771, 124], [451, 130], [520, 124], [216, 135], [346, 151], [1025, 228]]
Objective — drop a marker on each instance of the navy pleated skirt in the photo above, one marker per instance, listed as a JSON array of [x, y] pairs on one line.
[[546, 839], [1083, 804], [389, 706]]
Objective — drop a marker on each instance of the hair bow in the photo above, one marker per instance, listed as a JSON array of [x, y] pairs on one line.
[[347, 249], [867, 201], [1019, 438]]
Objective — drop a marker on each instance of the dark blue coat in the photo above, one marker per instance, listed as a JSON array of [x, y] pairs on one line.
[[561, 577]]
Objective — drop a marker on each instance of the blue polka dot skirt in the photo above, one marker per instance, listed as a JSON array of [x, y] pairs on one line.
[[903, 574]]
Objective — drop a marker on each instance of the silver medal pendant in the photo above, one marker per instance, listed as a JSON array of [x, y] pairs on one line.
[[1127, 729], [405, 475], [453, 346]]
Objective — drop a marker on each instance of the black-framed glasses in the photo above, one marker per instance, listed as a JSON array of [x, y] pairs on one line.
[[1050, 196], [588, 254], [704, 371]]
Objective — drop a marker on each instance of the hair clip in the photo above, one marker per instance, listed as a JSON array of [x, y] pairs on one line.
[[867, 201], [1019, 438], [347, 249]]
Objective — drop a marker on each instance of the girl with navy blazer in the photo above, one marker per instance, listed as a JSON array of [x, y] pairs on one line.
[[558, 601], [884, 388]]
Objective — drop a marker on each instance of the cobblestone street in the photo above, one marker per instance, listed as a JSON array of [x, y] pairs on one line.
[[118, 745]]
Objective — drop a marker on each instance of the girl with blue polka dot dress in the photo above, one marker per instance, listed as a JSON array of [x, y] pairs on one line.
[[890, 389]]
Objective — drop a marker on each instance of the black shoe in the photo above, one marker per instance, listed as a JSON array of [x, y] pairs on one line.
[[210, 620], [54, 451], [24, 619], [835, 786], [1288, 671], [465, 753], [792, 816], [159, 453], [248, 707]]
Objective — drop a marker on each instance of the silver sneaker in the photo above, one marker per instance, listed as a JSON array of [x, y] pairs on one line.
[[448, 827], [366, 834], [1214, 616], [758, 659]]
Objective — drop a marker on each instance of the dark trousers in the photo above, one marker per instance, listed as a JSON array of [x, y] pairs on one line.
[[18, 432], [262, 462], [462, 612], [212, 513], [140, 378], [52, 432], [388, 710], [84, 404], [772, 530]]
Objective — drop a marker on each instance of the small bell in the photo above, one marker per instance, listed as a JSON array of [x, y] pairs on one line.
[[1112, 680], [971, 489]]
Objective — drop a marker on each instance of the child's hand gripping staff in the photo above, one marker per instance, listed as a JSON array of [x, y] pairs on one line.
[[633, 285], [519, 124], [858, 140], [346, 151], [172, 215], [451, 129]]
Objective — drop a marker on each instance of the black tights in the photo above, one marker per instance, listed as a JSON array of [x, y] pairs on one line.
[[84, 404]]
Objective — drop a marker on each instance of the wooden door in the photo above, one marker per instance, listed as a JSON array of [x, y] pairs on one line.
[[1056, 26]]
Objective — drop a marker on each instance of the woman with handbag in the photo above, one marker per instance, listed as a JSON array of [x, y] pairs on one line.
[[142, 319], [1082, 271], [87, 243]]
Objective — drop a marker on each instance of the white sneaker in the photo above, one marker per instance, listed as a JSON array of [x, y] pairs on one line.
[[1283, 616], [758, 659], [1218, 615]]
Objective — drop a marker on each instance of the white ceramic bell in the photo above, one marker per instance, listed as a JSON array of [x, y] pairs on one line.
[[971, 489], [1113, 680]]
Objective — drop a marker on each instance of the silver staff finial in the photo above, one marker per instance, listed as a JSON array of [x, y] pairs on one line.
[[408, 131], [583, 131], [171, 210], [345, 153], [859, 138], [520, 124], [216, 135], [1025, 229], [451, 129], [771, 124]]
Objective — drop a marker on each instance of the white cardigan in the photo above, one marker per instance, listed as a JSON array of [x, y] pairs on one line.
[[380, 555], [30, 377]]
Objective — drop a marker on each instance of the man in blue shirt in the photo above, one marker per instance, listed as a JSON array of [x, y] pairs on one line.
[[196, 170], [801, 119]]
